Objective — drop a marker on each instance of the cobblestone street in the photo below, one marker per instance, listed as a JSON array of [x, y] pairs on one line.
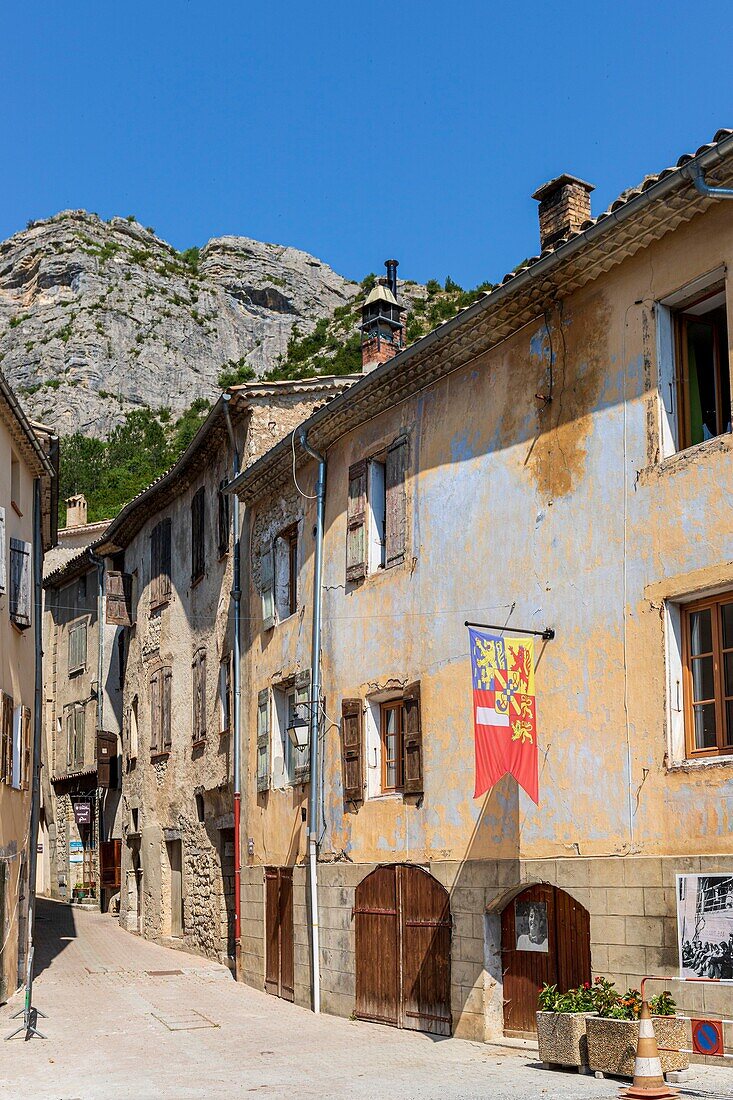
[[127, 1018]]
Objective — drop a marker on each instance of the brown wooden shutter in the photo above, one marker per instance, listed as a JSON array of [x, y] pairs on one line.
[[165, 709], [165, 559], [79, 731], [199, 696], [155, 712], [352, 749], [198, 534], [267, 586], [155, 566], [3, 566], [6, 737], [223, 526], [106, 754], [69, 737], [119, 598], [413, 740], [356, 523], [77, 646], [396, 510]]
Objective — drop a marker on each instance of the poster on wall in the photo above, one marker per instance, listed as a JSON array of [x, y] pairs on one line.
[[76, 851], [530, 926], [705, 926]]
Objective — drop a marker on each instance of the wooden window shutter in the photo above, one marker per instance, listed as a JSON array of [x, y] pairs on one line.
[[3, 565], [20, 582], [267, 586], [165, 560], [352, 749], [119, 598], [199, 696], [165, 709], [413, 740], [223, 526], [69, 736], [79, 721], [263, 740], [155, 712], [155, 566], [6, 736], [396, 511], [301, 757], [77, 646], [198, 534], [356, 523], [25, 775]]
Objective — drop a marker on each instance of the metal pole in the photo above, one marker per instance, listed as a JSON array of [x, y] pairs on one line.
[[236, 691], [30, 1014], [315, 707]]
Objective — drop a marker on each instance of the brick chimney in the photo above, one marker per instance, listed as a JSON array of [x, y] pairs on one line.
[[564, 207], [76, 511], [382, 322]]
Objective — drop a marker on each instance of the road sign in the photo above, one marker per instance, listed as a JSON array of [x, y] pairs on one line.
[[707, 1037]]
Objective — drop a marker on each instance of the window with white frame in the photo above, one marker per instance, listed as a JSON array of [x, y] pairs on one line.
[[693, 364], [290, 764], [699, 658]]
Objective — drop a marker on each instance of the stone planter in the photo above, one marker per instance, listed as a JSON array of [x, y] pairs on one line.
[[612, 1044], [562, 1039]]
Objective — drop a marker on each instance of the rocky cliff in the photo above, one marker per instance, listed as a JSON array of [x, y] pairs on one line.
[[98, 318]]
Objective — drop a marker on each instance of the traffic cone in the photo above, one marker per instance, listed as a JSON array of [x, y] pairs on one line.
[[649, 1083]]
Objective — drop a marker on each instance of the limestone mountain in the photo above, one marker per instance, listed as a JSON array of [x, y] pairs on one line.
[[100, 318]]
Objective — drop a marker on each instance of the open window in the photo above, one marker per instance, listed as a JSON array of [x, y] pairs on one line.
[[291, 764], [376, 512], [279, 577], [694, 364], [391, 754]]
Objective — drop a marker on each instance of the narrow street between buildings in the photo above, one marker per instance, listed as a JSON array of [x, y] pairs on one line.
[[127, 1018]]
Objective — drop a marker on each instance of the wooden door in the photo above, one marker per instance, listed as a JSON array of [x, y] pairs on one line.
[[402, 931], [110, 856], [279, 938], [545, 937], [176, 865]]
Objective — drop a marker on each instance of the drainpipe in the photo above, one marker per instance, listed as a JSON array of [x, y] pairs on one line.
[[236, 689], [697, 174], [315, 704]]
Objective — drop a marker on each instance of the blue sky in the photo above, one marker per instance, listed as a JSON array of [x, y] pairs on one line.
[[355, 131]]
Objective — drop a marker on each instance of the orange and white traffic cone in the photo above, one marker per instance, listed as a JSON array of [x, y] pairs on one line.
[[649, 1083]]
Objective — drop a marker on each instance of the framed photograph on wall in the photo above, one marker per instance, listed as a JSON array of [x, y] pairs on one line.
[[705, 926]]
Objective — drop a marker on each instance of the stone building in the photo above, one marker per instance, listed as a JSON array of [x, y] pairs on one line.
[[167, 576], [28, 468], [558, 455]]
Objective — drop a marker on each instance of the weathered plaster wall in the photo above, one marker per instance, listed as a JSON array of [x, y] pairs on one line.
[[17, 672]]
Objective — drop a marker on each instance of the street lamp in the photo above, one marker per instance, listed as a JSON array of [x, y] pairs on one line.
[[298, 728]]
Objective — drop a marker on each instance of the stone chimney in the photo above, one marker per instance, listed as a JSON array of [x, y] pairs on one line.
[[382, 322], [76, 511], [564, 207]]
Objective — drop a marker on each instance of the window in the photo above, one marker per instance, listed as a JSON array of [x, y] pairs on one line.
[[26, 748], [223, 523], [75, 722], [384, 740], [225, 694], [6, 737], [286, 573], [198, 534], [132, 729], [376, 512], [160, 711], [77, 646], [198, 695], [707, 632], [20, 583], [15, 483], [119, 598], [694, 368], [160, 564], [291, 764]]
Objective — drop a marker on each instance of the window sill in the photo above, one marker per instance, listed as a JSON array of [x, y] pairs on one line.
[[679, 460], [16, 508], [20, 627], [199, 743], [690, 764], [196, 581], [159, 605], [155, 756], [386, 796]]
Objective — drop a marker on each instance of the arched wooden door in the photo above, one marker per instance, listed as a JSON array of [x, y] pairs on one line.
[[545, 937], [402, 930]]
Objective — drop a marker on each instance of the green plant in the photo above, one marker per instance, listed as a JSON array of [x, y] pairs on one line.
[[579, 999], [605, 995], [663, 1004], [234, 373]]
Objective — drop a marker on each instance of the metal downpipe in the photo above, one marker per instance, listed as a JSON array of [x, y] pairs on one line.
[[697, 175], [236, 692], [315, 706]]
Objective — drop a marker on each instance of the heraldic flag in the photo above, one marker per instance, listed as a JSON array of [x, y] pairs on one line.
[[504, 711]]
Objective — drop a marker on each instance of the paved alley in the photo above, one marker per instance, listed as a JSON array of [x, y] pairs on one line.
[[127, 1018]]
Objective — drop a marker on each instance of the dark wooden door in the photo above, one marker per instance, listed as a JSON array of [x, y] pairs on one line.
[[175, 857], [545, 937], [279, 945], [402, 932], [110, 856]]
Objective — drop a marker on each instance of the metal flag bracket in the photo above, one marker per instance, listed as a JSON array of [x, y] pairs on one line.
[[547, 634]]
